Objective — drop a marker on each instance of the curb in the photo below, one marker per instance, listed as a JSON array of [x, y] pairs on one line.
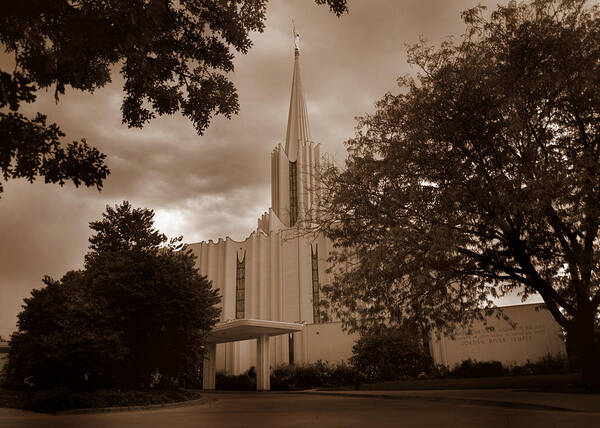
[[476, 401], [91, 410]]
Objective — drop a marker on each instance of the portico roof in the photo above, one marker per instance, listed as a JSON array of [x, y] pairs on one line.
[[244, 329]]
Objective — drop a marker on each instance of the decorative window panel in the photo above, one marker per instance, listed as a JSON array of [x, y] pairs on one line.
[[240, 287], [293, 194], [315, 284]]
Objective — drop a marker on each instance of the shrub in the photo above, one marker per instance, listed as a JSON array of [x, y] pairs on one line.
[[243, 382], [316, 375], [390, 354], [469, 368], [344, 375], [548, 364], [282, 378], [439, 371], [311, 375]]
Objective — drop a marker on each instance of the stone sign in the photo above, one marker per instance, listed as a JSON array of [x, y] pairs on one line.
[[534, 335]]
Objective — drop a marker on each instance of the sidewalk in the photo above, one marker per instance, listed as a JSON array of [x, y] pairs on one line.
[[516, 398]]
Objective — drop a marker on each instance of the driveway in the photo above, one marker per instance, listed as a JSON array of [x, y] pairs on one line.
[[311, 411]]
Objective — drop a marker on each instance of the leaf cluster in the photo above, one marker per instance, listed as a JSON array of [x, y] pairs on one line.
[[173, 55]]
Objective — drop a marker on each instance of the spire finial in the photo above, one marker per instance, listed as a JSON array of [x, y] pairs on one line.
[[296, 39], [297, 129]]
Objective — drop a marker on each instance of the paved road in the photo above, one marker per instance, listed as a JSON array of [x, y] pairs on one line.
[[312, 411]]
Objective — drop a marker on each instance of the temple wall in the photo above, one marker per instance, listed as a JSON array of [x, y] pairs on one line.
[[535, 335], [328, 342]]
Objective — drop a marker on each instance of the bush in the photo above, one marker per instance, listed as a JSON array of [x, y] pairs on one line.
[[548, 364], [390, 354], [243, 382], [292, 377], [344, 375], [316, 375], [311, 375], [439, 371], [469, 368]]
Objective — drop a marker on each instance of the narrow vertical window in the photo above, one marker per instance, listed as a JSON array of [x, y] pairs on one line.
[[293, 194], [315, 284], [240, 287], [291, 347]]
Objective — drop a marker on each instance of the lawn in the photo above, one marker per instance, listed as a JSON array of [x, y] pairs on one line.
[[548, 382]]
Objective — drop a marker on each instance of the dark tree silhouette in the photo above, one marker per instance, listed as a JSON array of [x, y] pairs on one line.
[[136, 315], [481, 177]]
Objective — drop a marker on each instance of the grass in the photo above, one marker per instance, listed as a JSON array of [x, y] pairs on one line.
[[549, 382], [53, 401]]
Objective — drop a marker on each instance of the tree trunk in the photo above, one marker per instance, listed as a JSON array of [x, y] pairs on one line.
[[585, 343]]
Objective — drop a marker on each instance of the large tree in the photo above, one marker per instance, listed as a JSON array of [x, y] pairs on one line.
[[136, 315], [173, 55], [480, 177]]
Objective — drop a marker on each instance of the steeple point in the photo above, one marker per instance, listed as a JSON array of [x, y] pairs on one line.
[[296, 43], [298, 131]]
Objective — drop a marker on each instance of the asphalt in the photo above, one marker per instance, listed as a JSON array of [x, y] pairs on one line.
[[508, 398], [317, 409]]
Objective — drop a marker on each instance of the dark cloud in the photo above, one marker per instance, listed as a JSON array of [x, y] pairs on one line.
[[214, 185]]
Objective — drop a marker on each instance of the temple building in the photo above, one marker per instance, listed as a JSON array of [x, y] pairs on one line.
[[271, 282], [276, 273]]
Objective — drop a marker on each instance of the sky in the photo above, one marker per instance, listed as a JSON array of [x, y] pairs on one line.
[[215, 185]]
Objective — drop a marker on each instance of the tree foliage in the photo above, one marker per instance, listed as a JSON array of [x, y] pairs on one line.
[[136, 315], [124, 229], [480, 177], [173, 55]]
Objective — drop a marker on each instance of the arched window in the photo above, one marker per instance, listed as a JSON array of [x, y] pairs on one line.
[[240, 287], [315, 283], [293, 194]]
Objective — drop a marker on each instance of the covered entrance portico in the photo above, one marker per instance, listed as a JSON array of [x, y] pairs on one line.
[[244, 329]]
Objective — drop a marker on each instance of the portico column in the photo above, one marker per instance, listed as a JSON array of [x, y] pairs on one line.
[[209, 368], [263, 376]]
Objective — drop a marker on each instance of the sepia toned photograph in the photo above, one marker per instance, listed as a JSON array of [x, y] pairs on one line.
[[299, 213]]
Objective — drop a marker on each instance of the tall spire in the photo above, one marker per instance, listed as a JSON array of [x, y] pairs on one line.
[[298, 131]]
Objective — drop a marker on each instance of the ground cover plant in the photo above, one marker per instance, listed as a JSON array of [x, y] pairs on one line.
[[58, 400]]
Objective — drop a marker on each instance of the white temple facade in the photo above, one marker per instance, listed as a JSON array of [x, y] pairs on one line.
[[276, 273]]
